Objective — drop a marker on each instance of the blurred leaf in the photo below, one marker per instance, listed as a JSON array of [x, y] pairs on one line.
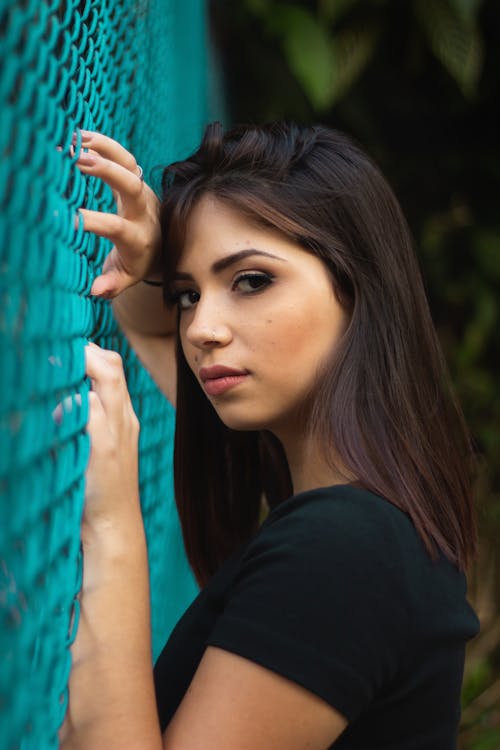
[[478, 330], [474, 380], [487, 246], [488, 740], [352, 49], [307, 47], [477, 680], [258, 7], [468, 9], [324, 66], [331, 10], [454, 40]]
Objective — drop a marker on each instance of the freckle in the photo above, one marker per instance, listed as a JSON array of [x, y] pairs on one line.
[[269, 321]]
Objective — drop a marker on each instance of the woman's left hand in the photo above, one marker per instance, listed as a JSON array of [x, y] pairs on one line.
[[112, 481]]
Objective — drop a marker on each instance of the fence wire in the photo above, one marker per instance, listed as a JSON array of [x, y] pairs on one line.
[[137, 72]]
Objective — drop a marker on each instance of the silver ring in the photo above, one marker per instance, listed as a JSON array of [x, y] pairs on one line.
[[141, 173]]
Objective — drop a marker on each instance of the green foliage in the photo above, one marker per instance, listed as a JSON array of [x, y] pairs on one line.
[[326, 60], [331, 10], [453, 35], [308, 49], [489, 740], [477, 680], [325, 64]]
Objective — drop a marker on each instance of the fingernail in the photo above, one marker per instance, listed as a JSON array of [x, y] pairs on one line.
[[87, 159], [57, 414], [86, 134]]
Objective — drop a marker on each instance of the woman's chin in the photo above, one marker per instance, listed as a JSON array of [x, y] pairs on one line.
[[240, 420]]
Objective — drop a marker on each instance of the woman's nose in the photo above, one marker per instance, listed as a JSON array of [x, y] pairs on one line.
[[207, 328]]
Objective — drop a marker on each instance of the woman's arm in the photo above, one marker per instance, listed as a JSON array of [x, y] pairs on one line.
[[111, 694], [235, 704], [141, 309]]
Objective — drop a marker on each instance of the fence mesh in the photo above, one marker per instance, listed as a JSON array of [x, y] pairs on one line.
[[135, 71]]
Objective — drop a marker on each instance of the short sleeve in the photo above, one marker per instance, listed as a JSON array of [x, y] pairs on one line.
[[319, 599]]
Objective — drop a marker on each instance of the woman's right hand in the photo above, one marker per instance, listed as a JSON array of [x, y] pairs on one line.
[[112, 474], [134, 229]]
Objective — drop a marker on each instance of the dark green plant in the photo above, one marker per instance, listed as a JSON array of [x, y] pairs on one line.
[[327, 46]]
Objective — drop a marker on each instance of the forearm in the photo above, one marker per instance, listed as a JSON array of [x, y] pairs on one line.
[[141, 309], [112, 702]]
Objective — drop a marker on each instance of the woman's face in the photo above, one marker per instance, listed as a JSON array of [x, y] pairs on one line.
[[258, 316]]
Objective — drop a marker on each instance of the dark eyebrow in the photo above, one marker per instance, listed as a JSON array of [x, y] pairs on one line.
[[229, 260]]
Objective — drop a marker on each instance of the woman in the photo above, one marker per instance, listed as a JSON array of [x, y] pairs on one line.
[[309, 378]]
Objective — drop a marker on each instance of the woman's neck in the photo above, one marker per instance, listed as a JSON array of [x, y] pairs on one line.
[[309, 468]]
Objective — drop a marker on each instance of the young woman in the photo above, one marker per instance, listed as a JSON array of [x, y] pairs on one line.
[[310, 385]]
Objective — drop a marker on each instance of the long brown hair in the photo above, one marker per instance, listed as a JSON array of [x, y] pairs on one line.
[[384, 404]]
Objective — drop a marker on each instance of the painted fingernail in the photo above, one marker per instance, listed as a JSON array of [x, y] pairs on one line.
[[87, 159], [57, 414]]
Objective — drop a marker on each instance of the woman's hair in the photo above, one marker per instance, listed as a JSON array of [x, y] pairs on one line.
[[384, 403]]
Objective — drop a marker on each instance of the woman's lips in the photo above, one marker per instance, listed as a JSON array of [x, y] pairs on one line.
[[218, 379]]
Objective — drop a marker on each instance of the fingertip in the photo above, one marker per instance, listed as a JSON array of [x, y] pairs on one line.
[[96, 289], [101, 289]]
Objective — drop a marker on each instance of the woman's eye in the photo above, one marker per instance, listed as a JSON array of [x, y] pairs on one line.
[[252, 282], [187, 298]]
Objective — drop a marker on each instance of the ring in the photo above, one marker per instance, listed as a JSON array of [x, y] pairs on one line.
[[141, 173]]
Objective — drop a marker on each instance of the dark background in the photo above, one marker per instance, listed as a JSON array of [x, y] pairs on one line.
[[416, 84]]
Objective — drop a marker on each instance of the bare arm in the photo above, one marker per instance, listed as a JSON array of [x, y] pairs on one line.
[[112, 703], [235, 704], [140, 309], [111, 695]]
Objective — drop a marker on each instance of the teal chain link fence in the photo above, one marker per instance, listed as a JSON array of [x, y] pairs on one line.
[[136, 71]]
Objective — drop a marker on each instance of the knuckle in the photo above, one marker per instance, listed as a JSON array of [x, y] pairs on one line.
[[114, 358], [117, 226], [131, 163], [115, 378], [135, 189]]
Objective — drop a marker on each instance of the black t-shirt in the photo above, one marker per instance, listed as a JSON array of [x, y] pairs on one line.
[[337, 593]]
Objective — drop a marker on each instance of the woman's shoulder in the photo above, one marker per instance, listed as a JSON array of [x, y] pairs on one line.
[[351, 527], [343, 509]]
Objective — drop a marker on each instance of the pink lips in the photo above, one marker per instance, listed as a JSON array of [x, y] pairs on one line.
[[218, 379]]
